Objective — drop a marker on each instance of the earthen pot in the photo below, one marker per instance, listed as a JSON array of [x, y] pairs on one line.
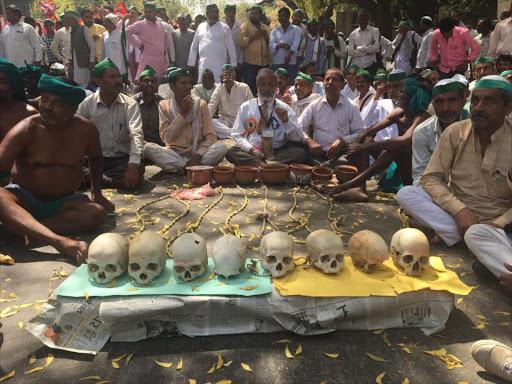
[[245, 174], [199, 174], [223, 175], [274, 173], [345, 173], [301, 173], [322, 173]]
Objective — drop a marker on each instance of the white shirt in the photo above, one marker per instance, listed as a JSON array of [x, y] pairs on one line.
[[328, 125], [229, 103], [120, 127], [422, 59], [341, 53], [300, 106], [59, 42], [424, 141], [283, 132], [20, 42], [165, 91], [90, 42], [317, 88], [111, 48], [215, 47], [404, 53], [234, 32], [375, 111], [363, 44], [349, 93]]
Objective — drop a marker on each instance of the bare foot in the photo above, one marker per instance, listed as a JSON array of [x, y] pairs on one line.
[[352, 195], [340, 188], [76, 250]]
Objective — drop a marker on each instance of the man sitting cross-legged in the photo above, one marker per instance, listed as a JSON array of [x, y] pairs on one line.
[[186, 128], [475, 156], [266, 129], [330, 123], [227, 99], [13, 105], [48, 150], [205, 89]]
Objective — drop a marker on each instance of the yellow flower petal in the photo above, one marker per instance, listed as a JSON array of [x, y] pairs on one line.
[[287, 352], [246, 367], [378, 332], [163, 364], [91, 378], [212, 369], [113, 283], [502, 313], [380, 377], [250, 288], [332, 355], [32, 358], [376, 358], [20, 324], [298, 351], [439, 352], [224, 382], [220, 362], [115, 364], [282, 341], [130, 356], [385, 338], [119, 358], [8, 376], [228, 363], [406, 381], [180, 364]]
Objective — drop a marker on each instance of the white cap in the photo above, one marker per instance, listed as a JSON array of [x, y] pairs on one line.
[[461, 79]]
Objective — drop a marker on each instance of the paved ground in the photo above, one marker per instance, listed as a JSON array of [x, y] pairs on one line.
[[29, 280]]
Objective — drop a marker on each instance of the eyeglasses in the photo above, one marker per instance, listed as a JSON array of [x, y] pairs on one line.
[[149, 81]]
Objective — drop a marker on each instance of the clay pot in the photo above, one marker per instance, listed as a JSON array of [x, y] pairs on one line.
[[300, 173], [199, 174], [245, 174], [345, 173], [274, 173], [322, 173], [223, 175]]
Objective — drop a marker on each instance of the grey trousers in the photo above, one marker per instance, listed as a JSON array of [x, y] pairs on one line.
[[170, 161], [291, 153]]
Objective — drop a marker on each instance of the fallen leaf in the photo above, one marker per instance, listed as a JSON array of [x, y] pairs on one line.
[[502, 313], [224, 382], [250, 287], [113, 283], [212, 275], [129, 358], [20, 324], [504, 324], [119, 358], [86, 295], [287, 352], [162, 364], [298, 351], [220, 362], [480, 326], [282, 341], [406, 381], [332, 355], [404, 348], [91, 378], [246, 367], [439, 352], [228, 363], [13, 295], [482, 317], [6, 259], [385, 338], [380, 377], [49, 360], [212, 369], [8, 376], [376, 358], [219, 284], [115, 364], [191, 381], [180, 364], [378, 332], [62, 273], [459, 300]]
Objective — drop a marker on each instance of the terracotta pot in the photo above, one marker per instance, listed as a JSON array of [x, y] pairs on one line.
[[223, 175], [301, 173], [322, 173], [345, 173], [199, 174], [274, 173], [245, 174]]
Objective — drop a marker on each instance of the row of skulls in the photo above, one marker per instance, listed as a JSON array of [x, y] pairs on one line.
[[110, 254]]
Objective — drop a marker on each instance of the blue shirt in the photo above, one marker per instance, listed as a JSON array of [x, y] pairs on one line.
[[291, 37]]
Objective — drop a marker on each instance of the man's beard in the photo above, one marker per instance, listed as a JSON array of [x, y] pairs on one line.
[[266, 99]]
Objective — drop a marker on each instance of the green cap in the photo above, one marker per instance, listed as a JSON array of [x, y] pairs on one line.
[[148, 71], [299, 11], [406, 23], [506, 73], [303, 76], [311, 20], [187, 15], [494, 81], [15, 78], [397, 75], [207, 70], [365, 73], [177, 72], [150, 5], [256, 8], [380, 77], [209, 7], [353, 66], [70, 12], [49, 21], [328, 21], [32, 70], [363, 10], [170, 69], [133, 7], [420, 100], [484, 59], [282, 71], [101, 67], [71, 94], [160, 9], [230, 7], [427, 20], [445, 86], [227, 66]]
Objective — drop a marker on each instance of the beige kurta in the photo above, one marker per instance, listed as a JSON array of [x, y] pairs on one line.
[[229, 103]]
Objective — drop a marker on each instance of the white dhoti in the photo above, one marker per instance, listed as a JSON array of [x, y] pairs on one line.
[[419, 204], [491, 246], [81, 76], [170, 161], [222, 130]]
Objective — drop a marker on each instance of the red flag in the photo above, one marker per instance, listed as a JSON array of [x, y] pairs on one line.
[[48, 8], [120, 8]]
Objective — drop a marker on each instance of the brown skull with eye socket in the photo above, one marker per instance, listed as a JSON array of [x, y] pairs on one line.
[[367, 250]]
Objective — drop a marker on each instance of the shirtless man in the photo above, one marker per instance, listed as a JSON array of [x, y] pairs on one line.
[[407, 116], [13, 105], [48, 150]]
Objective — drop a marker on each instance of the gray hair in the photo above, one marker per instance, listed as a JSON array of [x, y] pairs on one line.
[[263, 72]]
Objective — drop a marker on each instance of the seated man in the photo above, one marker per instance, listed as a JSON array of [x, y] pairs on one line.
[[164, 91], [204, 91], [503, 63], [308, 68], [329, 124], [282, 83], [350, 90], [303, 95], [227, 99], [364, 86], [475, 156], [117, 118], [13, 106], [483, 66], [266, 129], [48, 150], [507, 75], [410, 112], [148, 101], [396, 85], [186, 128]]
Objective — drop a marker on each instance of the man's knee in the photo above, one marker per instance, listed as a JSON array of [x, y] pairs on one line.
[[404, 194], [476, 232], [93, 215]]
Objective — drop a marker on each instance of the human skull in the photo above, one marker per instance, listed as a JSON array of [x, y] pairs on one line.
[[410, 250], [367, 250], [148, 253], [190, 257], [325, 251], [276, 253], [229, 254], [107, 257]]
